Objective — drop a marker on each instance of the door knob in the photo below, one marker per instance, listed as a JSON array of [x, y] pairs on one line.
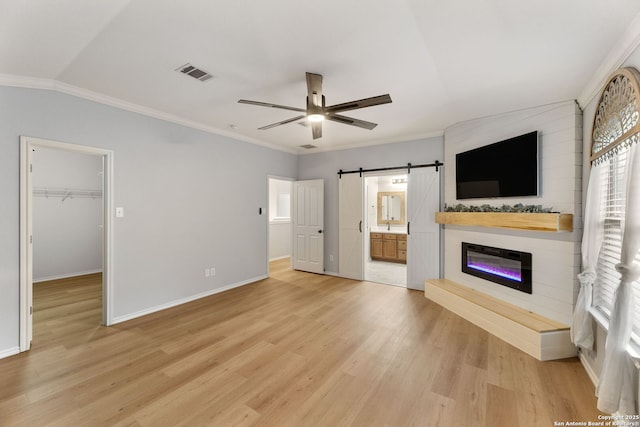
[[320, 231]]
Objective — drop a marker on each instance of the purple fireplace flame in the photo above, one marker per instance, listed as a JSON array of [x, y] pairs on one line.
[[503, 266], [502, 272]]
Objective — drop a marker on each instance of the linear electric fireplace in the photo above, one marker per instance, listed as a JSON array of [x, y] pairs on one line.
[[502, 266]]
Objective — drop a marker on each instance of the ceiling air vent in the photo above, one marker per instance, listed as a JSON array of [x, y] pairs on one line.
[[195, 72], [308, 146]]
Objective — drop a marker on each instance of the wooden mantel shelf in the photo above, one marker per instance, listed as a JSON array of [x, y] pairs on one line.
[[553, 222]]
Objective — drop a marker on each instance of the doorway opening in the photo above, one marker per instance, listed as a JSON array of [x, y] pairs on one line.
[[385, 239], [58, 227], [422, 198], [279, 223]]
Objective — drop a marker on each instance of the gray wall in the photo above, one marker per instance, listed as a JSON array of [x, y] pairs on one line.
[[191, 201], [327, 164]]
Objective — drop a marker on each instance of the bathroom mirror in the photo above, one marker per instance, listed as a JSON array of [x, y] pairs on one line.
[[391, 207]]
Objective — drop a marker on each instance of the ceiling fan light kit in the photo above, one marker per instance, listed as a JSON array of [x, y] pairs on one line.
[[316, 111], [315, 117]]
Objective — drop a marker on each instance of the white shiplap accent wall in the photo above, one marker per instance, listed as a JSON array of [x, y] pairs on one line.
[[552, 271], [556, 256]]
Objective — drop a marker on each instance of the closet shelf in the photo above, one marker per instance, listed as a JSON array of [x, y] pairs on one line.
[[65, 193]]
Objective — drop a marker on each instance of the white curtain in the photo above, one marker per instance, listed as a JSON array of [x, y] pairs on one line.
[[615, 389], [582, 327]]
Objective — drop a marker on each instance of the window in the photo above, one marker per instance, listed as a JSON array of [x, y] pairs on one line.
[[616, 128], [280, 200], [613, 215], [284, 206]]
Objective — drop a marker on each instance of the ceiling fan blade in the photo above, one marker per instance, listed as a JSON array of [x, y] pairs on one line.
[[362, 103], [316, 129], [268, 104], [314, 90], [284, 122], [351, 121]]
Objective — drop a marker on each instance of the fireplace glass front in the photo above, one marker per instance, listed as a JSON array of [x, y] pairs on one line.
[[503, 266]]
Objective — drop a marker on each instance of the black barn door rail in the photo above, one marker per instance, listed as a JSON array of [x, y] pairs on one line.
[[408, 167]]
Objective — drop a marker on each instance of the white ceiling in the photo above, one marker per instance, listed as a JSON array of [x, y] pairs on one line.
[[441, 61]]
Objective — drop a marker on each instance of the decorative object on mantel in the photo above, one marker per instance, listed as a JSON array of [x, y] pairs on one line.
[[519, 207]]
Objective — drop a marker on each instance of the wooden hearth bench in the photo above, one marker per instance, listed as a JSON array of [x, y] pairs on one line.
[[542, 338]]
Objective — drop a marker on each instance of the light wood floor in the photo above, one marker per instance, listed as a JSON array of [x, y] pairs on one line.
[[296, 349]]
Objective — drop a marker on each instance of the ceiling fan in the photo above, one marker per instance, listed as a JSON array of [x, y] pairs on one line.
[[316, 111]]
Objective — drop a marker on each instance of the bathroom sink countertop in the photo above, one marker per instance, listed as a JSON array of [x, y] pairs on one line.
[[392, 231]]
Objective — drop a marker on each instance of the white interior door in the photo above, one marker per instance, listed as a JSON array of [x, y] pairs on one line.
[[308, 226], [351, 240], [423, 241]]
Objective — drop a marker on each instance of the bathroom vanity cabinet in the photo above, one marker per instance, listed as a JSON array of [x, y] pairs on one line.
[[390, 247]]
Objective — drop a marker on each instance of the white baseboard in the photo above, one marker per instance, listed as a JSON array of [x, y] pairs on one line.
[[332, 273], [175, 303], [66, 276], [587, 367], [279, 258], [9, 352]]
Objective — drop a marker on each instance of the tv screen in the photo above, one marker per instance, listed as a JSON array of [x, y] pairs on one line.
[[507, 168]]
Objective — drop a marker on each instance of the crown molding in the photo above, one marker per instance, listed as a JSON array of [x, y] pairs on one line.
[[616, 57], [26, 82], [50, 84], [372, 143]]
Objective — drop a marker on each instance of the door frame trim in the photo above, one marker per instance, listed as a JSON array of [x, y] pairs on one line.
[[26, 230]]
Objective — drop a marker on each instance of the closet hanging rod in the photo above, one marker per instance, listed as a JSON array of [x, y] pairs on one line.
[[66, 192], [408, 167]]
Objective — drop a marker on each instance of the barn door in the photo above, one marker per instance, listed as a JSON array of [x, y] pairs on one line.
[[351, 240], [423, 240]]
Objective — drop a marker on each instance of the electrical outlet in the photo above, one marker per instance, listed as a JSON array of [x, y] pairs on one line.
[[213, 271], [330, 257], [207, 272]]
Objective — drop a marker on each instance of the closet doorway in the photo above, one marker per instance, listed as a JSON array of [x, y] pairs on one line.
[[385, 236], [65, 227]]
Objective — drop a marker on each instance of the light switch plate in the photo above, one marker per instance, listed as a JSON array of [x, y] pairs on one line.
[[119, 212]]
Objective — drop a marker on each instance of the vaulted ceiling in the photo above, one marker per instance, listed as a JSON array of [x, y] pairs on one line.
[[441, 61]]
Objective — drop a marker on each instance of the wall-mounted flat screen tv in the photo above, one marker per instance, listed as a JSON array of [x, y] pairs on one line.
[[507, 168]]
